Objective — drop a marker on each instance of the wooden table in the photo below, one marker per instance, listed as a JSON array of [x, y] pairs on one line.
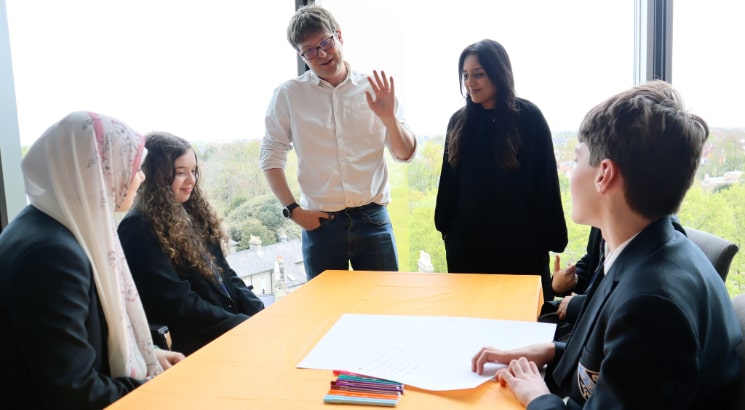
[[253, 366]]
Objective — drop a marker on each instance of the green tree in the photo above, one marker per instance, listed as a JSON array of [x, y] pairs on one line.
[[237, 188], [722, 213], [259, 216], [424, 236], [424, 170], [398, 210]]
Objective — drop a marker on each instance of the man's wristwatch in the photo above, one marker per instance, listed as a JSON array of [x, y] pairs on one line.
[[287, 210]]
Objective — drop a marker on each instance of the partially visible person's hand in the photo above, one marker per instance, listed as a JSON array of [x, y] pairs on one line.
[[541, 354], [561, 311], [524, 379], [308, 220], [168, 358], [384, 103], [564, 280]]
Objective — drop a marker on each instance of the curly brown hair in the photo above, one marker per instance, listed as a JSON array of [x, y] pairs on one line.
[[183, 230]]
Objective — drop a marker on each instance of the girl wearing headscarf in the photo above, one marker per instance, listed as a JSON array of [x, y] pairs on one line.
[[173, 240], [73, 330]]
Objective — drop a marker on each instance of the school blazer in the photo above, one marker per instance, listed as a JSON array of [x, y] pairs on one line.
[[589, 263], [52, 329], [658, 333], [195, 309]]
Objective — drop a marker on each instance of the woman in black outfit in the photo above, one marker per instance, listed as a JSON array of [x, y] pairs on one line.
[[498, 204]]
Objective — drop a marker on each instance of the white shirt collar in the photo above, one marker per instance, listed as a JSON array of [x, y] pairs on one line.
[[611, 257]]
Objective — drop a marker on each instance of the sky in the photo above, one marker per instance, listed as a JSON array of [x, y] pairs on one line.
[[206, 70]]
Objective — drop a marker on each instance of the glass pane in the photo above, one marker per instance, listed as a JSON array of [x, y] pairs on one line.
[[566, 57], [202, 70], [708, 67], [708, 63]]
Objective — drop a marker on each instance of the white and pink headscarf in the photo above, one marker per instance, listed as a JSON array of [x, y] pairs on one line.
[[77, 173]]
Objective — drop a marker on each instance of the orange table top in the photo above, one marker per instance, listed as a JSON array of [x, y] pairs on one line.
[[253, 366]]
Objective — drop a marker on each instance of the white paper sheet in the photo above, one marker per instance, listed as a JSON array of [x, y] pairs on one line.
[[428, 352]]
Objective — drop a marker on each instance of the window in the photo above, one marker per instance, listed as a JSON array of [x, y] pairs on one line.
[[202, 70], [206, 70], [708, 64], [566, 58], [708, 70]]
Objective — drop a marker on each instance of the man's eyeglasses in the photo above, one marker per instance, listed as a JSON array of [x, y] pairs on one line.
[[312, 53]]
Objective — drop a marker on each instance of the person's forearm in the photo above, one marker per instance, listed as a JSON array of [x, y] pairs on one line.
[[277, 181], [401, 141]]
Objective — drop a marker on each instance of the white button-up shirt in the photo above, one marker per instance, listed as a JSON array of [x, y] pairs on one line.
[[340, 143]]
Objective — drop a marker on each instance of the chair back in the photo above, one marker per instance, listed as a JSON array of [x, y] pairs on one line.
[[720, 251]]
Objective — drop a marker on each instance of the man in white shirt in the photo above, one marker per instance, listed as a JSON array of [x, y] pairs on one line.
[[339, 122]]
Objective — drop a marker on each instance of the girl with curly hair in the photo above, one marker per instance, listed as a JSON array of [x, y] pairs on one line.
[[174, 244]]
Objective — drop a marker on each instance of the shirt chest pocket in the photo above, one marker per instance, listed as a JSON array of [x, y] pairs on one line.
[[359, 121]]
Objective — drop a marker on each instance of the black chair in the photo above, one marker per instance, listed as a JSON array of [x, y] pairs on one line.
[[720, 251]]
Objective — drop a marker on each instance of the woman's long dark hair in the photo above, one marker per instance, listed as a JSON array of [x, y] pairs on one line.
[[495, 61], [183, 230]]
